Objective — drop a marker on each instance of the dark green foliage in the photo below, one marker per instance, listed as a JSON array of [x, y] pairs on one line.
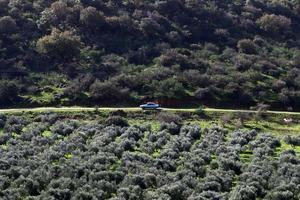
[[120, 113], [8, 92], [167, 117], [62, 45], [15, 124], [247, 46], [224, 53], [116, 120], [108, 92], [64, 128], [7, 25], [92, 18], [168, 89], [274, 23], [295, 141], [172, 127]]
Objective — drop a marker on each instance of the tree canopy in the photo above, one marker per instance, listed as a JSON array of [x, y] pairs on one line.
[[232, 53]]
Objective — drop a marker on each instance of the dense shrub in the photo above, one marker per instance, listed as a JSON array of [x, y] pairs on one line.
[[61, 45], [166, 117], [274, 23], [7, 25], [50, 118], [295, 141], [92, 18], [176, 52], [8, 92], [247, 46], [15, 124], [116, 120], [121, 113], [64, 128], [172, 127], [107, 92]]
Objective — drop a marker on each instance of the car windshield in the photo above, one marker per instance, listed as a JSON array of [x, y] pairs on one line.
[[151, 103]]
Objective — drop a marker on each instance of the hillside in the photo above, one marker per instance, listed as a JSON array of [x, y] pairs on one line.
[[230, 53]]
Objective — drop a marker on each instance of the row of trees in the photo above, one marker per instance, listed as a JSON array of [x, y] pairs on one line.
[[53, 156]]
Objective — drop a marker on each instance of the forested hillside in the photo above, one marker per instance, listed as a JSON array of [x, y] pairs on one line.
[[229, 53]]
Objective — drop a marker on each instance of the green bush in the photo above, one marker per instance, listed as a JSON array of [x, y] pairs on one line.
[[247, 46], [116, 120], [168, 117], [63, 45], [274, 23]]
